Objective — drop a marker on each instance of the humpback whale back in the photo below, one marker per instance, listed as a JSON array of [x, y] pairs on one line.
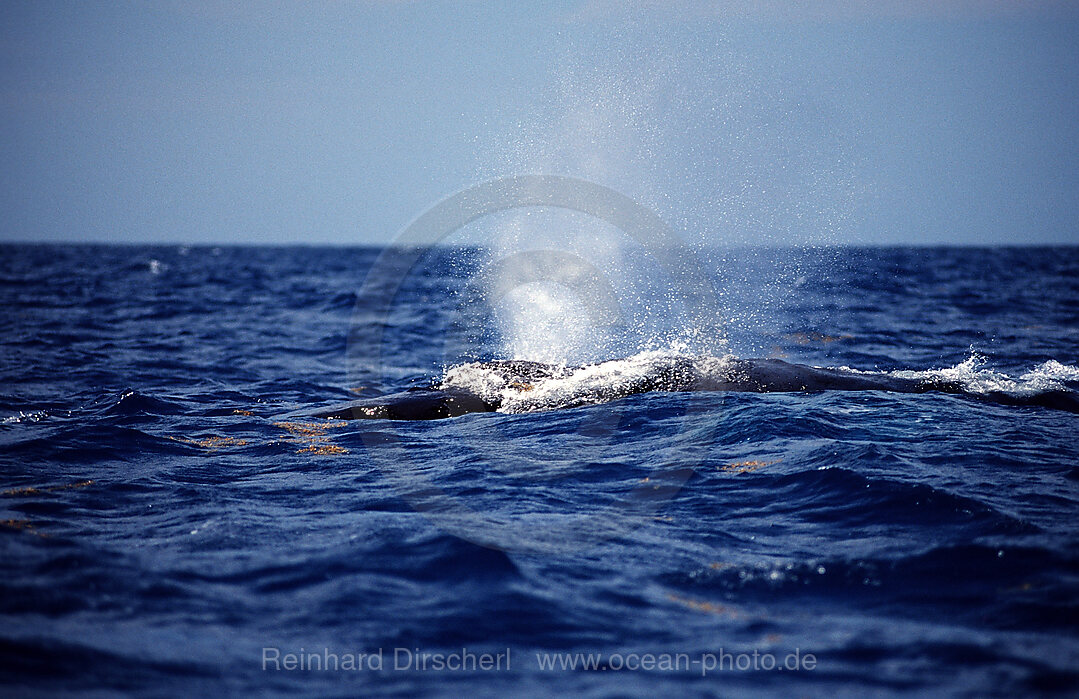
[[514, 385], [416, 404]]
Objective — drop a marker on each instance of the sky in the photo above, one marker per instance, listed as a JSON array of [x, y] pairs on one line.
[[847, 122]]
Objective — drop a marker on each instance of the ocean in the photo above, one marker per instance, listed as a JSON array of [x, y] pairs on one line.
[[177, 519]]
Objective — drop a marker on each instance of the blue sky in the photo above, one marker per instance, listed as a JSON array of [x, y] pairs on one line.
[[740, 122]]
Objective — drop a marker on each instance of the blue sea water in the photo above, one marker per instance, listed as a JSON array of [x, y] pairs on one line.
[[175, 522]]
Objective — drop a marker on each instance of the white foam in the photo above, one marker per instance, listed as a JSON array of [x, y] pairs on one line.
[[33, 416], [1052, 371], [973, 376], [593, 383]]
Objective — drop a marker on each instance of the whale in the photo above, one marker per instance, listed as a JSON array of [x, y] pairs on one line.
[[517, 377]]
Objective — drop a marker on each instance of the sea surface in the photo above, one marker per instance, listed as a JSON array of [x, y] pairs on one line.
[[175, 522]]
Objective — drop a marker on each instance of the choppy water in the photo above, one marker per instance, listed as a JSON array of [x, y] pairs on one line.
[[169, 513]]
